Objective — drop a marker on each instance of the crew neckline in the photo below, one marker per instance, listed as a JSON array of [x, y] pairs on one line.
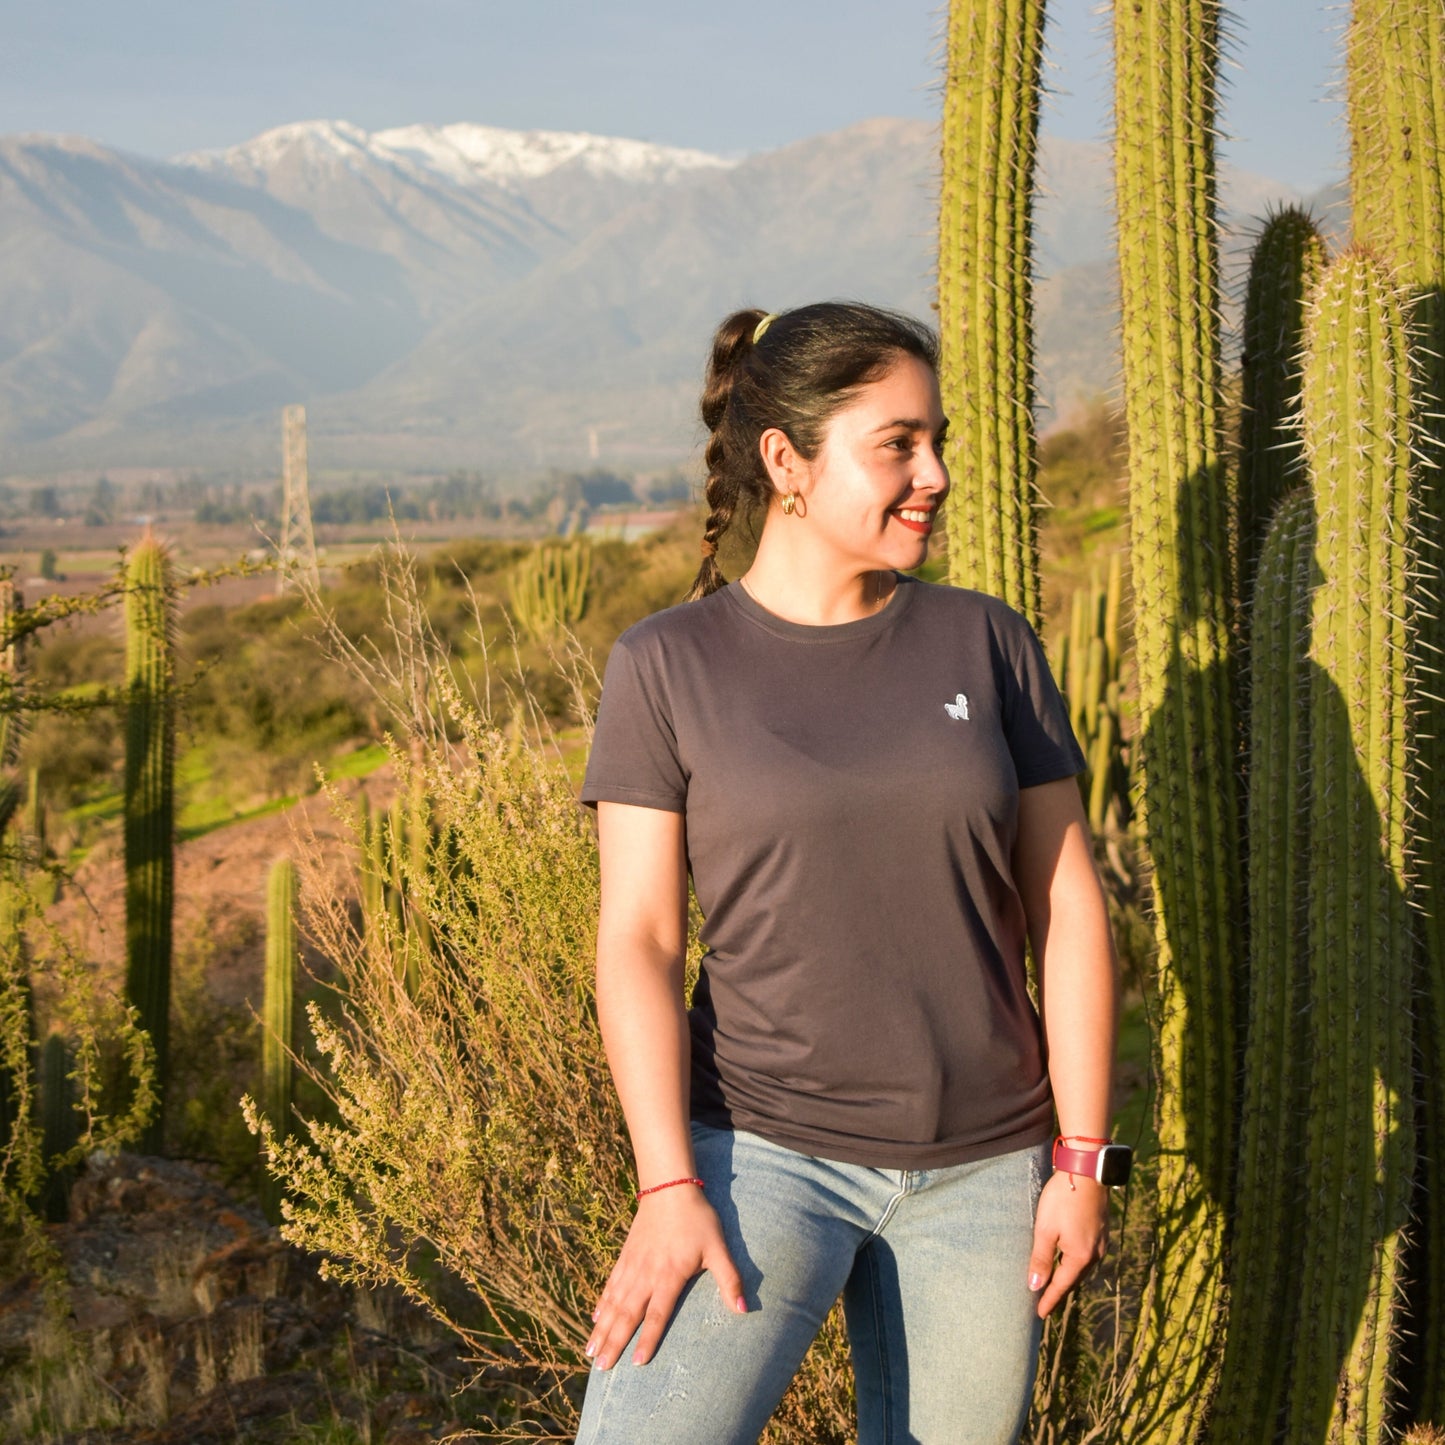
[[754, 611]]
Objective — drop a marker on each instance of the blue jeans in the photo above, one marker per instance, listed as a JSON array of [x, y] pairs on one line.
[[932, 1265]]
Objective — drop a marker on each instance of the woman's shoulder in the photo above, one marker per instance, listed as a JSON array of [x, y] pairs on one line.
[[684, 621]]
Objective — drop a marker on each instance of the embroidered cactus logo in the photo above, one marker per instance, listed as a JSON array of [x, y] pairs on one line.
[[957, 709]]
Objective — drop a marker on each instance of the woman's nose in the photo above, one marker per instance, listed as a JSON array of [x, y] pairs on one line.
[[933, 474]]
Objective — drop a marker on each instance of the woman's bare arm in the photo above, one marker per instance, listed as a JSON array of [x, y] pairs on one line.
[[1068, 923], [641, 952]]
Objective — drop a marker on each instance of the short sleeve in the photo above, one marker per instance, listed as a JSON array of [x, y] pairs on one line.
[[1035, 720], [634, 748]]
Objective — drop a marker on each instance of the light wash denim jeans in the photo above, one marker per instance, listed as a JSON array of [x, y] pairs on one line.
[[932, 1265]]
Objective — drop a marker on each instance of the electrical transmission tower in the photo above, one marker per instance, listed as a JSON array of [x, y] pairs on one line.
[[298, 541]]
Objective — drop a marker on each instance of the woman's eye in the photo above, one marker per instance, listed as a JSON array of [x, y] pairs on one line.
[[902, 444]]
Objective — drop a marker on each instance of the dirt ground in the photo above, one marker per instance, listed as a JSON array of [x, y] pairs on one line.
[[220, 889]]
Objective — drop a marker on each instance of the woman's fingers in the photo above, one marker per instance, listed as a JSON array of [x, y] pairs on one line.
[[719, 1263], [665, 1248], [1071, 1233]]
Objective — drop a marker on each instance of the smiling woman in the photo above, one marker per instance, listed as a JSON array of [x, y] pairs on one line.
[[869, 781]]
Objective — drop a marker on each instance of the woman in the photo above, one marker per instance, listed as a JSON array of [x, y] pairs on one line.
[[871, 783]]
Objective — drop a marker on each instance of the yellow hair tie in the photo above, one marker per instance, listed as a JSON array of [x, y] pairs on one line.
[[763, 325]]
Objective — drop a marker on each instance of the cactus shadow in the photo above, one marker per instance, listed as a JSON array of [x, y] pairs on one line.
[[1336, 1228]]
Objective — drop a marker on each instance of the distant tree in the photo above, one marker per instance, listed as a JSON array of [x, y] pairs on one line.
[[607, 489], [45, 502], [48, 562], [674, 486]]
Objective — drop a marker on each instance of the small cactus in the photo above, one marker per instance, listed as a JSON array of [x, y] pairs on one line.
[[280, 988], [150, 802], [1089, 677], [549, 586], [60, 1127]]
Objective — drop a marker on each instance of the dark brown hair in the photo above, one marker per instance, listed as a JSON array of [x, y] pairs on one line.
[[807, 365]]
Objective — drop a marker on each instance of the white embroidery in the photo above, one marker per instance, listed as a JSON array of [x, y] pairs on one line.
[[958, 709]]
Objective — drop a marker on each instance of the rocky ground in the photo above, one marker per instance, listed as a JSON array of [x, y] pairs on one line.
[[185, 1320]]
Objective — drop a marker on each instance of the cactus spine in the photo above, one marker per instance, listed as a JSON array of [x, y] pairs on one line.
[[150, 802], [1359, 1133], [1268, 1244], [1166, 66], [280, 989], [985, 296], [549, 586], [1284, 267]]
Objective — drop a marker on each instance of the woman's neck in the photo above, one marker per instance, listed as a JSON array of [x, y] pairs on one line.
[[814, 591]]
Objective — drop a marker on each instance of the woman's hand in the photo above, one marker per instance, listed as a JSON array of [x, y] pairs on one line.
[[675, 1235], [1071, 1234]]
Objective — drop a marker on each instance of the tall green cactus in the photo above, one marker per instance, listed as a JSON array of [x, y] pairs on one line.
[[279, 993], [985, 299], [150, 802], [1166, 72], [1268, 1246], [1359, 1129], [1284, 266], [1395, 58], [549, 586]]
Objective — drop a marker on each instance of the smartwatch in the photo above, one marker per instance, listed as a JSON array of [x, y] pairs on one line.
[[1108, 1163]]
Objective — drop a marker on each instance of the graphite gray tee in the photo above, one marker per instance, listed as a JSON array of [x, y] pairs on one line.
[[850, 795]]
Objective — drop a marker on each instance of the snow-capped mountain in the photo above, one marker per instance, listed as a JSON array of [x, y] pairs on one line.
[[463, 154], [464, 295]]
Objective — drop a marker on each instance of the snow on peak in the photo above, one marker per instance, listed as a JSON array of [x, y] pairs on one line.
[[463, 154], [318, 138]]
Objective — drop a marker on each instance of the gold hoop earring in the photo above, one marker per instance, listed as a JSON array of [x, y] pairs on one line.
[[789, 503]]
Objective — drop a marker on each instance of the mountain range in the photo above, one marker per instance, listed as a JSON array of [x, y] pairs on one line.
[[461, 295]]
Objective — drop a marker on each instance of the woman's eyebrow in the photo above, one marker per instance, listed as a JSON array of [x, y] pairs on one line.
[[908, 423]]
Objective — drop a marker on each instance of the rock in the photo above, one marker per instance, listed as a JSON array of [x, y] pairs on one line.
[[196, 1322]]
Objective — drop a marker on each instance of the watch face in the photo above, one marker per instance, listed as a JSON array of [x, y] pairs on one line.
[[1115, 1161]]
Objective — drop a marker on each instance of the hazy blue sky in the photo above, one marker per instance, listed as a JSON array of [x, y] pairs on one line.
[[162, 76]]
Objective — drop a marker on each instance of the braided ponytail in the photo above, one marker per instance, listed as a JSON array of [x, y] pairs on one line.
[[793, 373], [730, 345]]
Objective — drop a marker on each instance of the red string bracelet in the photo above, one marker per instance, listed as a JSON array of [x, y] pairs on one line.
[[1082, 1139], [670, 1184]]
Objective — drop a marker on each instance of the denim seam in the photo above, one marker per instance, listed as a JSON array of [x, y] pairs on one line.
[[877, 1230]]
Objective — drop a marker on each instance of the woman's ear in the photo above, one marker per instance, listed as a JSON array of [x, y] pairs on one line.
[[787, 470]]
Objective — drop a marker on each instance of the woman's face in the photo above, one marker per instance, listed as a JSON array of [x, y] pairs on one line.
[[875, 488]]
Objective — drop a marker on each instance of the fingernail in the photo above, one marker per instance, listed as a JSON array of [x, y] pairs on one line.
[[1035, 1280], [741, 1305], [590, 1350]]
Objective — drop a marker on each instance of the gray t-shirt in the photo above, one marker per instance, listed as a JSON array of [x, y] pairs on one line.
[[851, 801]]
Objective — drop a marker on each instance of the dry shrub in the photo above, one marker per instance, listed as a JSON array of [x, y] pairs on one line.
[[480, 1162]]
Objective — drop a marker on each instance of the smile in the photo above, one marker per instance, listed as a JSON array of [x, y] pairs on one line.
[[916, 519]]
